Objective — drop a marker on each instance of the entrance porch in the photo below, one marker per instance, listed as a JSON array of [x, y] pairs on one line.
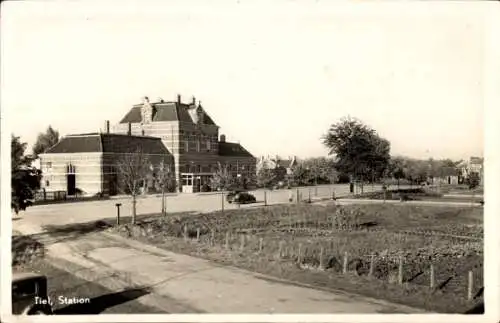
[[194, 182]]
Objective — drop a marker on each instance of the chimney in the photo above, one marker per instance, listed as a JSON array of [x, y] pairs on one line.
[[129, 131], [106, 127], [178, 98], [222, 138], [160, 100], [194, 100]]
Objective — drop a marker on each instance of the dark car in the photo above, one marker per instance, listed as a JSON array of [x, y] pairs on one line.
[[240, 197], [29, 294]]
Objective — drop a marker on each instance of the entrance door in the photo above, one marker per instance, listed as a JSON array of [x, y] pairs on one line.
[[71, 184]]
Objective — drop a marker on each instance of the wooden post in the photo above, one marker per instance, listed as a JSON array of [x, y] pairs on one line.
[[299, 256], [280, 249], [261, 244], [222, 201], [321, 258], [265, 197], [117, 212], [372, 265], [242, 243], [185, 233], [432, 278], [344, 269], [470, 285], [298, 196], [309, 195], [198, 235], [400, 272], [227, 240]]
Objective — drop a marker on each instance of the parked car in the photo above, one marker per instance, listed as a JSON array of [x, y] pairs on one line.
[[240, 197], [29, 294]]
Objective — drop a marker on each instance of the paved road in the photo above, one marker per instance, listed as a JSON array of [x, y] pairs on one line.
[[80, 212]]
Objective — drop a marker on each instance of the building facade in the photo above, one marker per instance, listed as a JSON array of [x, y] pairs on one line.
[[189, 139]]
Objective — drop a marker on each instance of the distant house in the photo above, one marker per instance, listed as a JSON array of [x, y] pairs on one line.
[[282, 166], [449, 175]]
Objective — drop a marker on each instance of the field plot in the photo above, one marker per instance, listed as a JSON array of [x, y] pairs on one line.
[[430, 257]]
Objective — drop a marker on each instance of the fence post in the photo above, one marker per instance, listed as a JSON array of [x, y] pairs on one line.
[[298, 196], [261, 244], [222, 201], [198, 235], [400, 272], [265, 197], [344, 268], [470, 285], [333, 194], [212, 237], [299, 256], [227, 240], [309, 200], [242, 243], [372, 264], [185, 232], [280, 249], [321, 258], [432, 282]]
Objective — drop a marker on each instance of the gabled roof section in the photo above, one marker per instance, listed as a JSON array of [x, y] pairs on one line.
[[108, 143], [230, 149], [165, 111], [83, 143]]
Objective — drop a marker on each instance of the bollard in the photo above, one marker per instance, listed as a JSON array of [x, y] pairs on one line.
[[261, 244], [344, 268], [118, 213], [432, 278], [198, 235], [372, 264], [470, 285]]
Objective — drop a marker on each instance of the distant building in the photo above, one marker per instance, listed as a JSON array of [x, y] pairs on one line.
[[473, 166], [181, 134], [277, 163]]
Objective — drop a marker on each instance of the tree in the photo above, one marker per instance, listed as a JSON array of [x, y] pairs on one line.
[[301, 175], [222, 179], [166, 180], [133, 170], [321, 169], [359, 151], [45, 140], [266, 177], [25, 180]]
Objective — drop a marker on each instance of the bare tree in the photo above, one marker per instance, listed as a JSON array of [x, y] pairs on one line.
[[133, 169], [222, 179], [166, 180]]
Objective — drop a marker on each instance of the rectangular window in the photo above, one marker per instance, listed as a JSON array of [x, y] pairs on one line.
[[198, 146], [208, 145], [186, 145]]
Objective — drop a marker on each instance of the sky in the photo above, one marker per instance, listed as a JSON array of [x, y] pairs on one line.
[[274, 76]]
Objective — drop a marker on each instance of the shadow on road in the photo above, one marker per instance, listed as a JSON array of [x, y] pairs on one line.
[[99, 304]]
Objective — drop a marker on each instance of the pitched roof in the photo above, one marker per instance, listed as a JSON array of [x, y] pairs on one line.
[[165, 111], [108, 143], [231, 149]]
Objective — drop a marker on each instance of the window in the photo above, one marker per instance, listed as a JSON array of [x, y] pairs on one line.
[[47, 183], [198, 146], [208, 144], [49, 165], [186, 145]]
